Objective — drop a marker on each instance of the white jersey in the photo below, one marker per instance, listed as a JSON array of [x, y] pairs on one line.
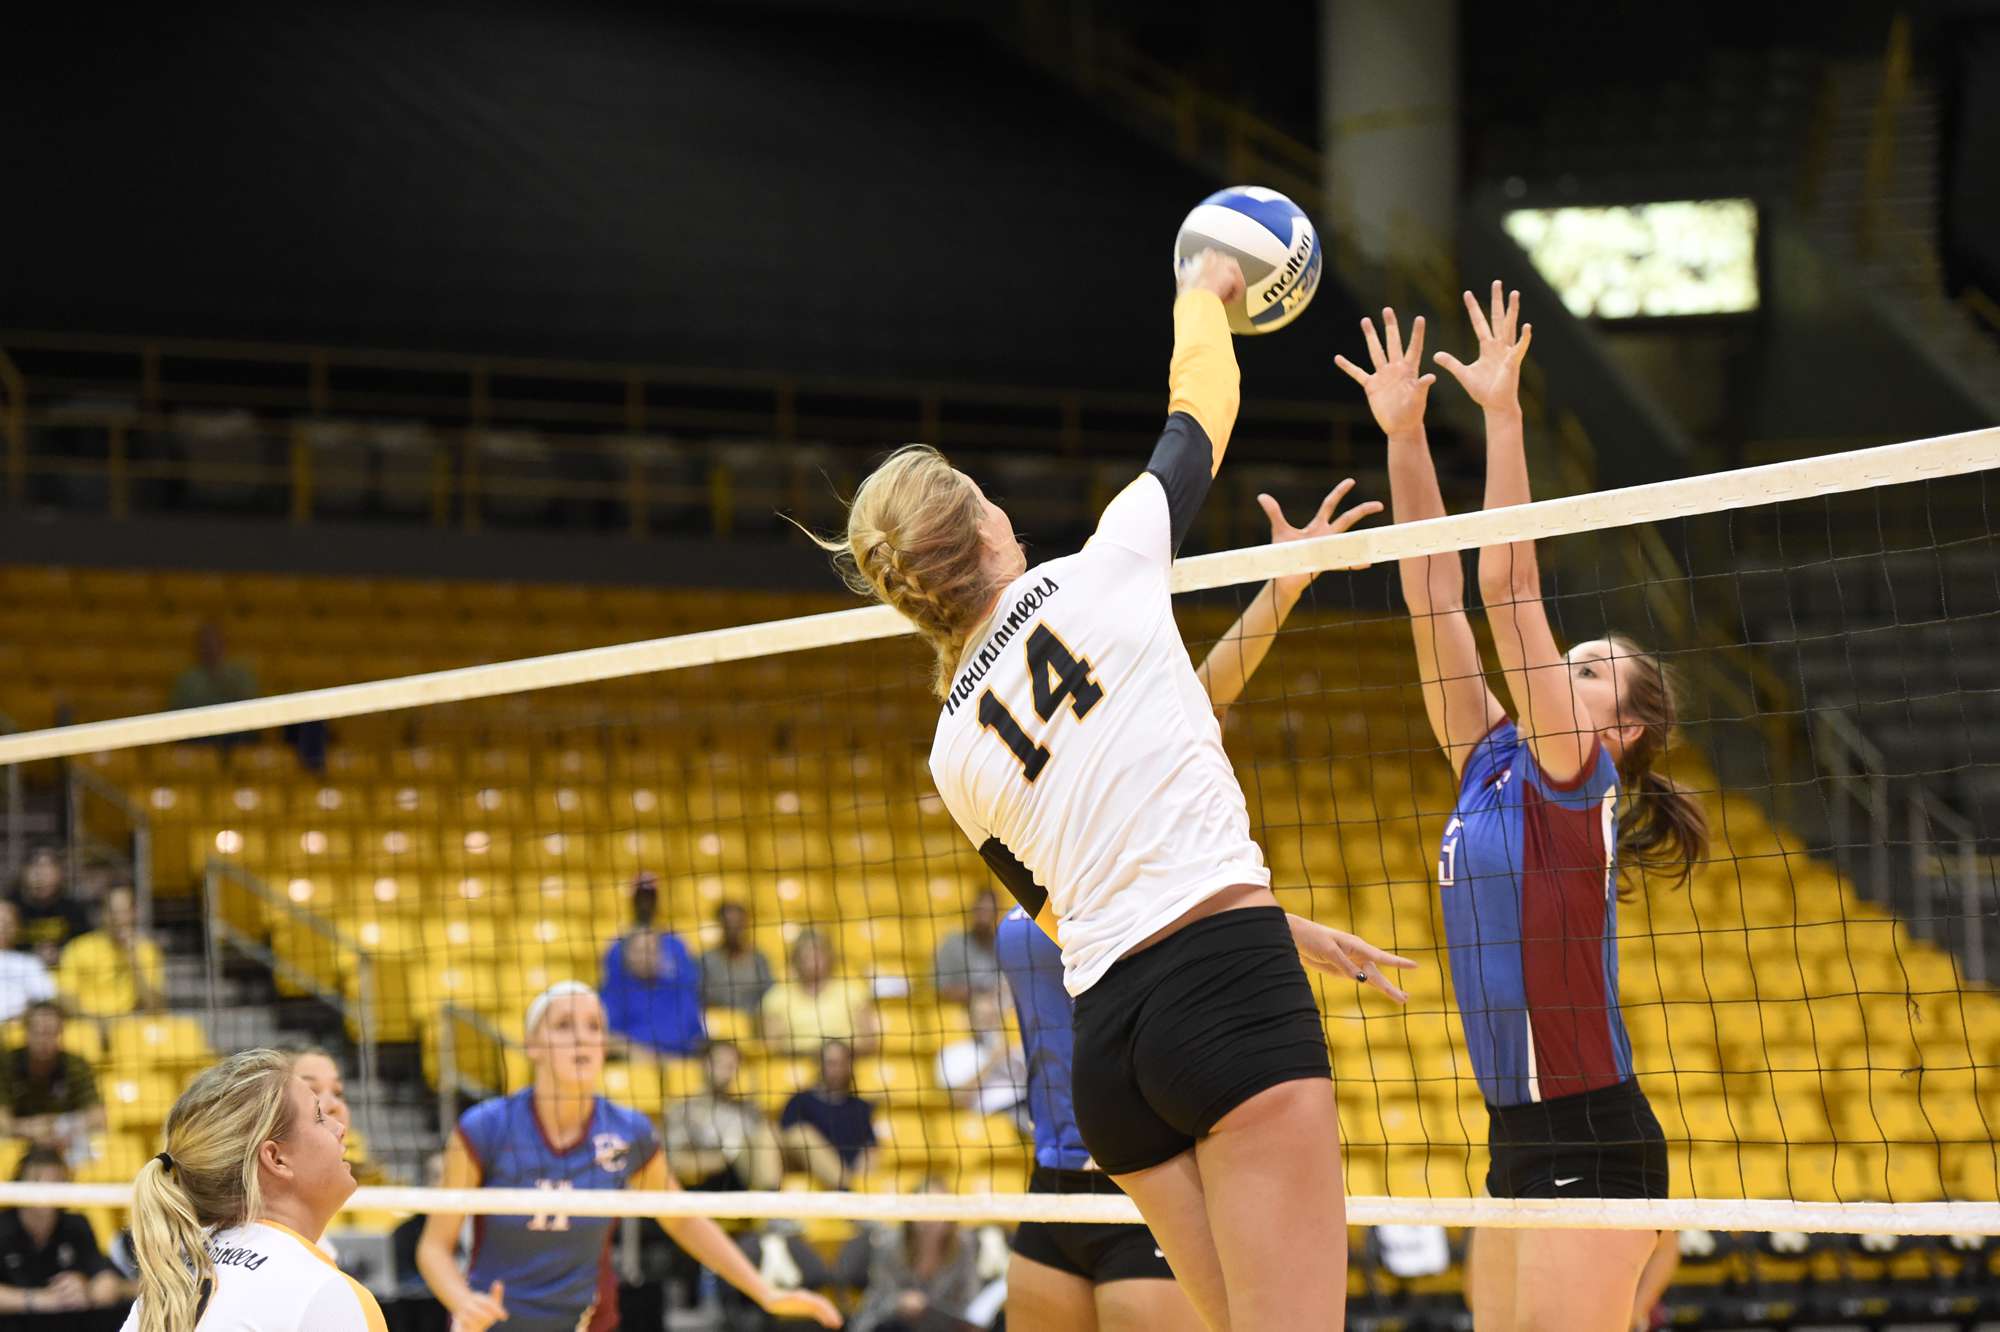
[[1077, 738], [271, 1279]]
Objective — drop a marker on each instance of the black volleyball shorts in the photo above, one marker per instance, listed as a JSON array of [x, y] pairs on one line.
[[1597, 1144], [1174, 1037], [1099, 1253]]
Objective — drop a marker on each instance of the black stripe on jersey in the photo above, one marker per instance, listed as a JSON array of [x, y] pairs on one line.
[[1185, 463], [1014, 876]]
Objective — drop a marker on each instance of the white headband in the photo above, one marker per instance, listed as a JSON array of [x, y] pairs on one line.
[[540, 1007]]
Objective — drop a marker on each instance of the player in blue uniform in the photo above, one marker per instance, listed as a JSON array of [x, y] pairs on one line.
[[1551, 805], [1082, 1277], [1073, 1277], [552, 1272]]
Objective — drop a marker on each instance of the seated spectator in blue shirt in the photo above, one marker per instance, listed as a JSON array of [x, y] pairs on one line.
[[827, 1131], [652, 987]]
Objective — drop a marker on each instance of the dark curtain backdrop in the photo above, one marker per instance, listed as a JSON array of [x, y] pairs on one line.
[[730, 186]]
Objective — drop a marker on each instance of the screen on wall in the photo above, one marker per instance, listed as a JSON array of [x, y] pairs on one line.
[[1643, 261]]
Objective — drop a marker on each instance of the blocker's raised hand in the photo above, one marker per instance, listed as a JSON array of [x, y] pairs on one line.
[[1494, 380], [1325, 522], [1397, 388]]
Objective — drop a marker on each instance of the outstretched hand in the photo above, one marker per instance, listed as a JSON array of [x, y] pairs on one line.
[[1397, 389], [1325, 522], [1339, 953], [1494, 380], [479, 1312], [803, 1304]]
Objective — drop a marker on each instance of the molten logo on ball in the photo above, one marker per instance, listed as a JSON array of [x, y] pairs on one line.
[[1274, 242]]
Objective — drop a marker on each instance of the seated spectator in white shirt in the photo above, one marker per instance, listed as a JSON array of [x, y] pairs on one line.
[[987, 1073], [23, 978]]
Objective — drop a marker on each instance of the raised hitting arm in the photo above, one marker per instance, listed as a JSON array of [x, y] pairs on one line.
[[1550, 719], [1460, 706], [1202, 378]]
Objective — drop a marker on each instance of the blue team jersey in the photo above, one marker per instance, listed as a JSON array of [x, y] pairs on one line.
[[557, 1268], [1034, 968], [1529, 881]]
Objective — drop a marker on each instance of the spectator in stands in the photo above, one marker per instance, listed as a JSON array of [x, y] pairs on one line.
[[47, 1094], [718, 1142], [827, 1131], [50, 1262], [814, 1006], [113, 970], [50, 917], [919, 1276], [214, 678], [965, 963], [986, 1072], [23, 978], [734, 974], [652, 989]]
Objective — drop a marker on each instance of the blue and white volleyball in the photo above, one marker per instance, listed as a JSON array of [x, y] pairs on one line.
[[1273, 240]]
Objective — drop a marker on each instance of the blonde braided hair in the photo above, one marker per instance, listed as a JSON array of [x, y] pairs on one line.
[[913, 542]]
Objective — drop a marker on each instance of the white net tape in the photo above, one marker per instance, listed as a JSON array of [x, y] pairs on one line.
[[1539, 1213]]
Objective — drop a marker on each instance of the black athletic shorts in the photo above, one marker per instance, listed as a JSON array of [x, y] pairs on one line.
[[1175, 1036], [1097, 1253], [1597, 1144]]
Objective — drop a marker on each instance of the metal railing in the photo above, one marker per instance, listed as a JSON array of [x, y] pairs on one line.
[[16, 811], [130, 847], [227, 929], [1942, 851], [459, 1070]]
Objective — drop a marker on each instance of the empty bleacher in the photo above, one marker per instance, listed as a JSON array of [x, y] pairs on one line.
[[1796, 1040]]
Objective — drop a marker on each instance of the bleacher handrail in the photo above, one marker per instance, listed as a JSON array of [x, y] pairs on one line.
[[360, 1016], [13, 426], [452, 1078], [80, 782], [1860, 774], [317, 394], [16, 810]]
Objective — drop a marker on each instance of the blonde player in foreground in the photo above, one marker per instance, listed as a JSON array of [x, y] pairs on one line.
[[1554, 804], [552, 1273], [1079, 752], [226, 1221]]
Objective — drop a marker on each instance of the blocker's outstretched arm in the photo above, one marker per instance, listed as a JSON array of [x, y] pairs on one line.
[[1237, 654]]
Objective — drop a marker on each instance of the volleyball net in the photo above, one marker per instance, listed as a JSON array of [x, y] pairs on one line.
[[730, 830]]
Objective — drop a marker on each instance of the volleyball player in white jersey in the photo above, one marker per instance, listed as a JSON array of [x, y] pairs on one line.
[[1078, 751], [226, 1221]]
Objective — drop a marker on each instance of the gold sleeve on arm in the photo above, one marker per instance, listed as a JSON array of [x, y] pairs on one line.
[[1203, 380]]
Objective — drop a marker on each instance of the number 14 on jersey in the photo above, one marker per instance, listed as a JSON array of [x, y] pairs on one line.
[[1055, 674]]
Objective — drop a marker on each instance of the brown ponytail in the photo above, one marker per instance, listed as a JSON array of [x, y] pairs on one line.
[[1662, 827], [913, 542]]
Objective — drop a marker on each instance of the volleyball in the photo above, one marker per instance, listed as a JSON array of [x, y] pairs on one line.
[[1274, 241]]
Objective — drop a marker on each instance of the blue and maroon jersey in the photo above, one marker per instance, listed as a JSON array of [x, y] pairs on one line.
[[1529, 881], [557, 1267]]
